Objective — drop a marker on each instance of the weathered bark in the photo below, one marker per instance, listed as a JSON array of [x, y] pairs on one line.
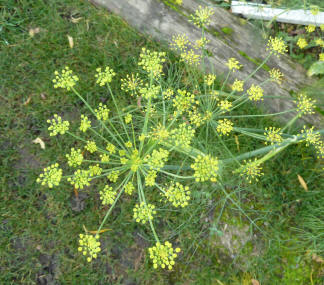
[[245, 43]]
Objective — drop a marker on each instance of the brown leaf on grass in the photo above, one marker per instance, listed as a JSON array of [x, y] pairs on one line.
[[40, 142], [27, 101], [33, 32], [95, 232], [71, 42], [317, 258], [302, 182], [76, 20], [255, 282], [43, 96]]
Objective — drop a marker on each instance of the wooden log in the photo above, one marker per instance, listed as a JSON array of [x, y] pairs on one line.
[[228, 38]]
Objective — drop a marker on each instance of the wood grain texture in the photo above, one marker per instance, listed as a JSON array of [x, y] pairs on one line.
[[154, 18]]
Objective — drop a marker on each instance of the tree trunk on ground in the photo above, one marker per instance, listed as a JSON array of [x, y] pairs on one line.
[[228, 38]]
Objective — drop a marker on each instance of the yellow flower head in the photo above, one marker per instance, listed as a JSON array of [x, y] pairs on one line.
[[311, 137], [201, 43], [128, 118], [276, 75], [95, 170], [310, 28], [183, 101], [305, 105], [108, 195], [148, 92], [238, 85], [225, 105], [314, 9], [85, 123], [224, 127], [51, 176], [113, 176], [273, 135], [57, 126], [319, 42], [167, 94], [190, 57], [89, 245], [277, 46], [302, 43], [152, 62], [129, 188], [177, 194], [128, 144], [91, 146], [196, 118], [131, 84], [150, 178], [322, 27], [104, 77], [182, 135], [233, 64], [209, 79], [201, 18], [111, 148], [143, 212], [206, 168], [104, 158], [80, 179], [102, 113], [65, 79], [179, 42], [158, 158], [75, 158], [163, 255], [251, 170], [321, 57], [255, 93], [160, 133]]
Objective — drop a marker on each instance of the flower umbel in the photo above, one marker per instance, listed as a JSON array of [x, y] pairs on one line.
[[273, 135], [75, 158], [143, 213], [85, 123], [255, 93], [177, 194], [104, 77], [251, 170], [89, 245], [224, 127], [57, 126], [163, 255], [206, 168], [51, 176], [277, 46], [65, 79], [80, 179], [102, 112], [201, 18], [302, 43], [305, 105], [152, 62], [233, 64], [107, 195], [276, 75], [238, 85]]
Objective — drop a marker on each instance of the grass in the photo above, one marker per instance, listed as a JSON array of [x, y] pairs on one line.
[[39, 227]]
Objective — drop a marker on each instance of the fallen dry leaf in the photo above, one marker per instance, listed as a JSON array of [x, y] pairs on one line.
[[317, 258], [255, 282], [302, 182], [95, 232], [71, 42], [27, 101], [33, 32], [40, 142], [76, 20], [43, 96]]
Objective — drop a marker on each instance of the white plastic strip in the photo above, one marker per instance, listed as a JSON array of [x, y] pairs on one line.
[[265, 12]]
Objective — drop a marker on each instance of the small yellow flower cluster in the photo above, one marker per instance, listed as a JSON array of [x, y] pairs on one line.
[[302, 43], [311, 137], [128, 118], [158, 158], [75, 158], [95, 170], [201, 18], [85, 123], [251, 170], [57, 126], [104, 77], [177, 194], [319, 42], [129, 188], [321, 57], [190, 57], [131, 84], [152, 62], [322, 27], [224, 127], [148, 92], [108, 195], [310, 28], [51, 176], [80, 179], [238, 85], [314, 9], [233, 64], [111, 148], [201, 43], [143, 213], [179, 42], [160, 133], [65, 80], [128, 144], [305, 105], [206, 168], [135, 160], [182, 135], [184, 101], [104, 158], [208, 116], [113, 176], [255, 93], [150, 178], [225, 105], [277, 46], [209, 79], [168, 93], [178, 2], [102, 112], [273, 135], [163, 255], [122, 152], [91, 146], [89, 245], [276, 75], [196, 118]]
